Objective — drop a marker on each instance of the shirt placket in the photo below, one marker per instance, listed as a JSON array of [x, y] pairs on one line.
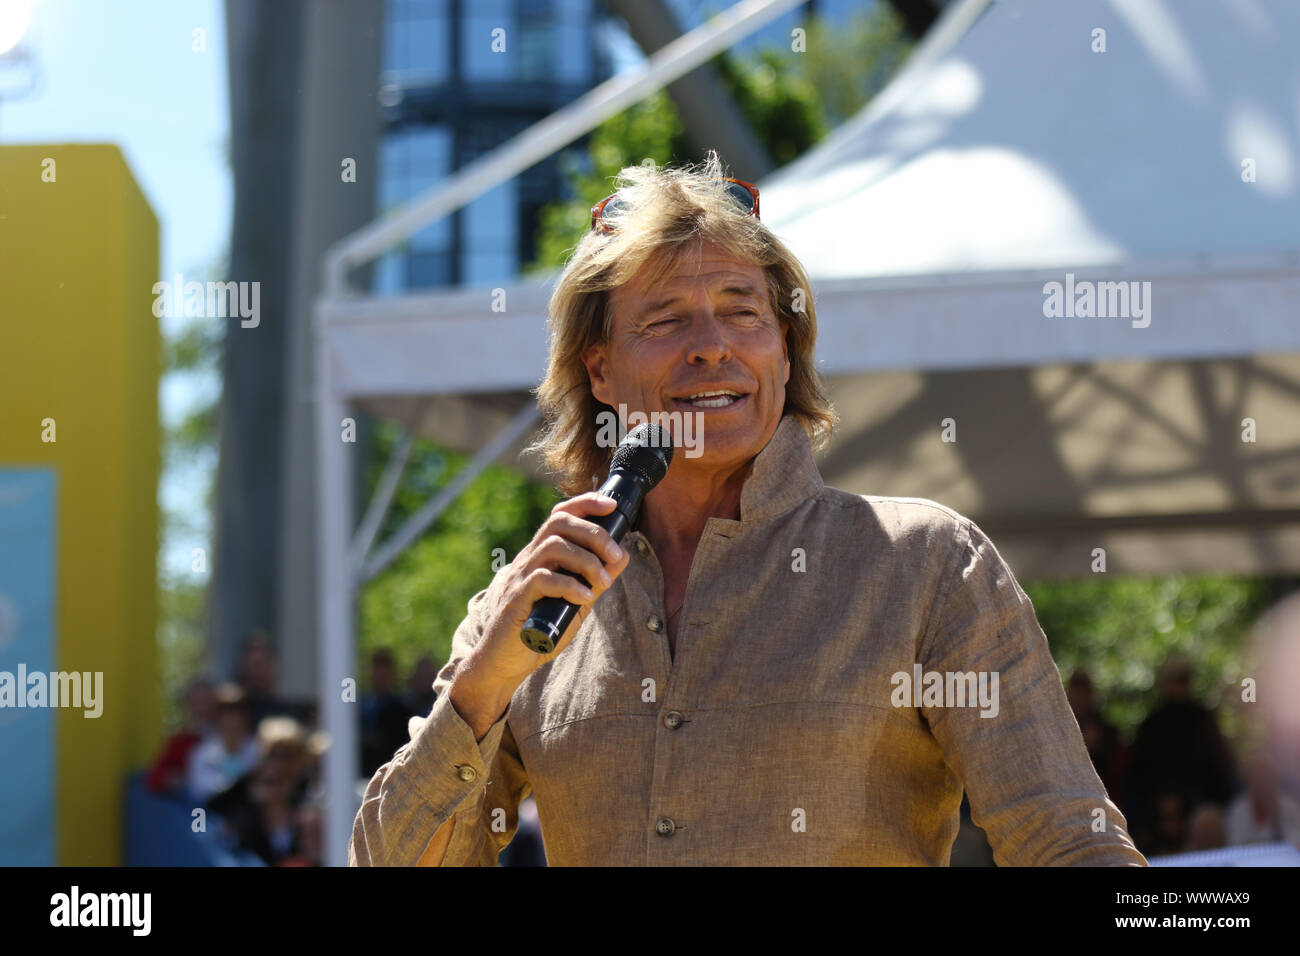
[[672, 812]]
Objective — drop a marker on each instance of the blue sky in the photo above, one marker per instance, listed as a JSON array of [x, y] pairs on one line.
[[125, 72]]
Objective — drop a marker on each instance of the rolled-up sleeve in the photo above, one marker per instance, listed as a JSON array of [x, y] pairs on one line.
[[443, 773], [1020, 754]]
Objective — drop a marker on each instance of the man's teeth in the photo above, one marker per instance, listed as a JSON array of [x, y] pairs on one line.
[[712, 399]]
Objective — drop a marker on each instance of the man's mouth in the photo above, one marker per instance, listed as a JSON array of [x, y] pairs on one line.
[[712, 398]]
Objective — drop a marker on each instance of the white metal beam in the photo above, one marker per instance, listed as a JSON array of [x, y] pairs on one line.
[[548, 136], [378, 506], [449, 344], [386, 553], [335, 595]]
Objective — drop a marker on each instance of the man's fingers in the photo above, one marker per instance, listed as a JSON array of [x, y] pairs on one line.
[[590, 503], [543, 582], [577, 559], [587, 535]]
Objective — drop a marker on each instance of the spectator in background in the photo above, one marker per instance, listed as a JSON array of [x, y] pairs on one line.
[[168, 774], [310, 825], [1206, 829], [1178, 751], [282, 740], [257, 676], [227, 754], [1107, 750], [420, 697], [260, 810], [271, 829], [1253, 815], [384, 715], [1276, 643], [318, 742], [971, 845], [526, 849], [1166, 832]]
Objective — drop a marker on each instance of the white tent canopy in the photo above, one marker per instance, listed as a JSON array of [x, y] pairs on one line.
[[1007, 155], [1015, 146]]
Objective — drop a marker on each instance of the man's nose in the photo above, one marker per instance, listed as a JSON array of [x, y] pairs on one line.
[[708, 337]]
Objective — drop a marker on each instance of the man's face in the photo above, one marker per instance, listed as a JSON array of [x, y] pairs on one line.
[[707, 326]]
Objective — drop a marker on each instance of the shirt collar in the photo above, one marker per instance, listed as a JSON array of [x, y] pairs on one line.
[[784, 475]]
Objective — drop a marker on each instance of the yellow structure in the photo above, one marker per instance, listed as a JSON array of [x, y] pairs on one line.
[[80, 359]]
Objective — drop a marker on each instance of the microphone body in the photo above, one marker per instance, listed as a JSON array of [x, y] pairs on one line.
[[639, 464]]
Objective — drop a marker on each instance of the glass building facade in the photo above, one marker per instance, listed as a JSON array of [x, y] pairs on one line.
[[460, 78]]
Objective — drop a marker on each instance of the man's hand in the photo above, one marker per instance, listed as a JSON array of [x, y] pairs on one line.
[[500, 662]]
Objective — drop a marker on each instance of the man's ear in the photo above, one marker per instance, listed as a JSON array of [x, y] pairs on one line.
[[597, 363]]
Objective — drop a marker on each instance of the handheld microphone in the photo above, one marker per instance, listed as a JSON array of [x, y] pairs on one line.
[[639, 463]]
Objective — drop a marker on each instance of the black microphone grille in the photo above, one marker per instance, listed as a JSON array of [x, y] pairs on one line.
[[646, 451]]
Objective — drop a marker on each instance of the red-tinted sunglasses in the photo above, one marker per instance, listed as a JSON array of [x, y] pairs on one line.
[[745, 194]]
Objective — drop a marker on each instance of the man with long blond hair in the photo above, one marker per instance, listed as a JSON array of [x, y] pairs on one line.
[[768, 671]]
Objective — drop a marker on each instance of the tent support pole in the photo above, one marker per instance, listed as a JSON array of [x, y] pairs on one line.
[[379, 504], [435, 506], [337, 587]]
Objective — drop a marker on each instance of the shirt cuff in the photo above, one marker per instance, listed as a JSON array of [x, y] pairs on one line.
[[448, 766]]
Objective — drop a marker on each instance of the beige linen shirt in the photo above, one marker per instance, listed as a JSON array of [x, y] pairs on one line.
[[781, 732]]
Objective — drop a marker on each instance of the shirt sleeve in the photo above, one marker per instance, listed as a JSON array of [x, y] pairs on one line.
[[1019, 751], [442, 773]]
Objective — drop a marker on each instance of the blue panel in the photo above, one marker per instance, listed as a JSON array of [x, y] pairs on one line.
[[28, 527]]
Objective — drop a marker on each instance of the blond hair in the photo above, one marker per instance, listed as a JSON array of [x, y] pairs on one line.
[[663, 212]]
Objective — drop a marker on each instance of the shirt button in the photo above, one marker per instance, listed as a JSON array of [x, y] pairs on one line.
[[665, 826], [653, 622], [672, 720], [642, 546], [466, 773]]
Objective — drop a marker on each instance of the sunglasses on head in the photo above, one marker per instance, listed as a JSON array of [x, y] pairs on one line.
[[745, 194]]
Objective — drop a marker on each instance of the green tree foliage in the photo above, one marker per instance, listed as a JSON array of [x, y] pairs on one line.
[[182, 630], [195, 349], [648, 130], [791, 100], [414, 606], [1120, 629], [192, 352]]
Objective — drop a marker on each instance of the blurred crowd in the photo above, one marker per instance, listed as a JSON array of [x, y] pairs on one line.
[[1179, 783], [253, 760]]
